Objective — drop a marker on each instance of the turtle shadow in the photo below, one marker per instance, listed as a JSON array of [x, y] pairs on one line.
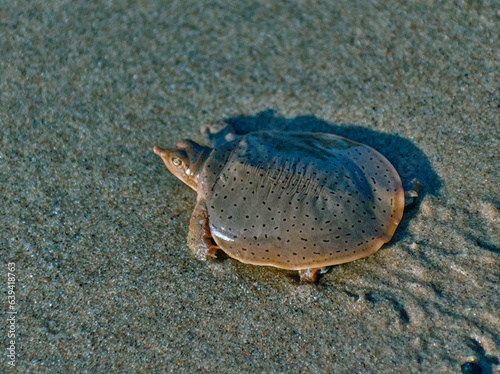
[[409, 161]]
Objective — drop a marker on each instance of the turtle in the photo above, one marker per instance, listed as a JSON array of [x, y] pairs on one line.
[[293, 200]]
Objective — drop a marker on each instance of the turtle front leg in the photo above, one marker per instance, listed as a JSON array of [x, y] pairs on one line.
[[200, 238], [311, 275], [218, 133], [415, 191]]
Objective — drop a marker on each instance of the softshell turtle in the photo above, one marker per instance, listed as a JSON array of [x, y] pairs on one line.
[[294, 200]]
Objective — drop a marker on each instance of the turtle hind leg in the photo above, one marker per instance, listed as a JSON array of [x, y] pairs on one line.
[[415, 190], [311, 275], [200, 238], [218, 133]]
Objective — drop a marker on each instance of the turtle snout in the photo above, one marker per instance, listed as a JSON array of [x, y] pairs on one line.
[[160, 151]]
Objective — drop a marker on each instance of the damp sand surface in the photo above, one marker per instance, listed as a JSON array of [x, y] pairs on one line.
[[96, 226]]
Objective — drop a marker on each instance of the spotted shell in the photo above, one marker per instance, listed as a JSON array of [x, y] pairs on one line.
[[300, 200]]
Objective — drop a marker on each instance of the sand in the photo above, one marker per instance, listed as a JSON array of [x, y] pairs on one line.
[[96, 226]]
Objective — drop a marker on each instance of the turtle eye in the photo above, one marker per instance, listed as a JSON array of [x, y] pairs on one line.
[[177, 162]]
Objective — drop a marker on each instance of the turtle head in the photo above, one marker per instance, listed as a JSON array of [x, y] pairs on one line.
[[185, 161]]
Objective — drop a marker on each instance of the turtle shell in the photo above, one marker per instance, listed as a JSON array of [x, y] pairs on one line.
[[300, 200]]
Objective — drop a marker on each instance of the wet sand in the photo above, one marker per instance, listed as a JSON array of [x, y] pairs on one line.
[[96, 226]]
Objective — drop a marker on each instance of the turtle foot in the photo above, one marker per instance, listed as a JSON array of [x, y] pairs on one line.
[[200, 238], [218, 133], [415, 190], [311, 275]]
